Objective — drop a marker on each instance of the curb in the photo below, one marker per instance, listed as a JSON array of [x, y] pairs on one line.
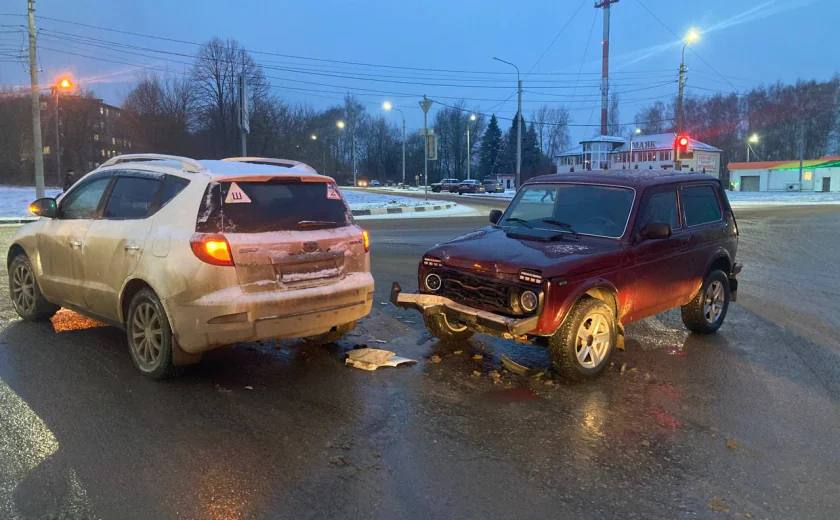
[[8, 221], [389, 211]]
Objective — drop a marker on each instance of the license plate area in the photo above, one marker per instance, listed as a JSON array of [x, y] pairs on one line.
[[313, 268]]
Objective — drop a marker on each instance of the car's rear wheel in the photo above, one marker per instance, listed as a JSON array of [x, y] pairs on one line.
[[26, 295], [446, 330], [331, 336], [149, 336], [583, 345], [705, 313]]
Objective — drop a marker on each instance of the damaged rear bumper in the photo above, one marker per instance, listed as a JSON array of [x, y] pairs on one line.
[[733, 281], [476, 319]]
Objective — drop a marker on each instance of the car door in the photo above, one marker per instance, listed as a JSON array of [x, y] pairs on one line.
[[115, 243], [658, 264], [61, 240], [703, 215]]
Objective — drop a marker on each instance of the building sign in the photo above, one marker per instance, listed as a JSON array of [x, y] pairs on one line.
[[707, 161], [643, 145]]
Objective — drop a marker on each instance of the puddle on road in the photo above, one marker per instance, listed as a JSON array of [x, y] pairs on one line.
[[512, 395]]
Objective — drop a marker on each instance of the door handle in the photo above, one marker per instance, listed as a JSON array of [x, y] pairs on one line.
[[131, 247], [75, 244]]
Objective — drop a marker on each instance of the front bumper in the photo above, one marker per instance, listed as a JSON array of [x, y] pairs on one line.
[[476, 319]]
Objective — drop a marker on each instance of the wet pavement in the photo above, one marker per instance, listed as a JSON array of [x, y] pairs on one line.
[[742, 424]]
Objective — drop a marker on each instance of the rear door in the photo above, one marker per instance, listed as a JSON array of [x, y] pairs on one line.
[[703, 215], [61, 240], [284, 234]]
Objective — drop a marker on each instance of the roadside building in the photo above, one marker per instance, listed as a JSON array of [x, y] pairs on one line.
[[655, 151], [506, 180], [815, 175]]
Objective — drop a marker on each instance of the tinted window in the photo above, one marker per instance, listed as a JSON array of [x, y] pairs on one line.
[[660, 207], [83, 201], [271, 206], [700, 205], [132, 198], [171, 186]]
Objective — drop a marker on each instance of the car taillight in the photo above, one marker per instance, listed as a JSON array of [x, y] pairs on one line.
[[213, 249], [366, 240]]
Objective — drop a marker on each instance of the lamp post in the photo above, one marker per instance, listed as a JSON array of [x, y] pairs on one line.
[[388, 106], [751, 140], [469, 154], [518, 122], [636, 132], [64, 84], [692, 36], [341, 125]]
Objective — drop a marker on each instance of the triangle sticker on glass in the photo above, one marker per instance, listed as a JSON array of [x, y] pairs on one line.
[[236, 195]]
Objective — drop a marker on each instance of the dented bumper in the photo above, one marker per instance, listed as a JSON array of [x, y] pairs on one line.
[[476, 319]]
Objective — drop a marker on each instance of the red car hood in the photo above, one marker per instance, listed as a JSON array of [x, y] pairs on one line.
[[493, 251]]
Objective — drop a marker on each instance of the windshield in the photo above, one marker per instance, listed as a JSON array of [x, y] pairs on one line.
[[570, 208], [256, 207]]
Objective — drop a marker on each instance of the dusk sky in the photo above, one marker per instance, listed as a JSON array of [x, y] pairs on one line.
[[744, 44]]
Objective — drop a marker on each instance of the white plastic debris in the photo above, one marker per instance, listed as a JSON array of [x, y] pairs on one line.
[[373, 358]]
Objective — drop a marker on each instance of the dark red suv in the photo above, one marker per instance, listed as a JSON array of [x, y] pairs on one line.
[[576, 257]]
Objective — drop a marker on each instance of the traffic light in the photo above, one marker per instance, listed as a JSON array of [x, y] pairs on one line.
[[682, 148]]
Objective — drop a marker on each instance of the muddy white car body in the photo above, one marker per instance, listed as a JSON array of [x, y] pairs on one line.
[[272, 281]]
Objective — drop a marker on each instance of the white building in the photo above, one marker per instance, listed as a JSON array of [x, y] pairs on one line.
[[656, 151], [814, 175]]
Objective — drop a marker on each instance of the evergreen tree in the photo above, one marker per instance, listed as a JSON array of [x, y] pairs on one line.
[[531, 153], [508, 162], [489, 154]]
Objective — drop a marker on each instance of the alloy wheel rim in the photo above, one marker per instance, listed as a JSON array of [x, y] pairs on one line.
[[593, 340], [713, 302], [146, 335], [23, 288]]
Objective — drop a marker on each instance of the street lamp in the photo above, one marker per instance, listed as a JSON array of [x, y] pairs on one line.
[[388, 106], [751, 140], [471, 119], [64, 84], [313, 137], [518, 122], [636, 132], [341, 124], [691, 37]]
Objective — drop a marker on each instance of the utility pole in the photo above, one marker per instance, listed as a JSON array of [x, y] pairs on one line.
[[519, 119], [426, 104], [605, 62], [244, 116], [681, 93], [37, 144], [57, 140]]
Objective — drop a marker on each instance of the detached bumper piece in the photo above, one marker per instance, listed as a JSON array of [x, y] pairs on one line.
[[733, 281], [476, 319]]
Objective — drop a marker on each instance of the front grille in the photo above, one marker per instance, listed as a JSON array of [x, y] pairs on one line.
[[479, 292]]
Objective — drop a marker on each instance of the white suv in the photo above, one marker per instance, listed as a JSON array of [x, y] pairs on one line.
[[192, 255]]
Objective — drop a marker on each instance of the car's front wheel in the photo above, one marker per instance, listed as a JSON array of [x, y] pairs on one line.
[[705, 313], [446, 331], [149, 336], [583, 345], [26, 295]]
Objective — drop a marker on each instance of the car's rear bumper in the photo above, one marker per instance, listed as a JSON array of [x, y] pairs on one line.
[[233, 316], [476, 319]]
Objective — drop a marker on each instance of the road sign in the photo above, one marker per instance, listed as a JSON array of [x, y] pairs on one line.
[[244, 123], [431, 146]]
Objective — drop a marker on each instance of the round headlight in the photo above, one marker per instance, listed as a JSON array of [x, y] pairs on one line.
[[529, 301], [433, 282]]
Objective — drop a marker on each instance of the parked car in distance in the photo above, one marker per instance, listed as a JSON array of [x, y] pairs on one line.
[[444, 185], [576, 257], [468, 186], [492, 186], [188, 255], [375, 184]]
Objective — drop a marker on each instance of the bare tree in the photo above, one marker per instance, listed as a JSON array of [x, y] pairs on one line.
[[552, 126], [159, 114]]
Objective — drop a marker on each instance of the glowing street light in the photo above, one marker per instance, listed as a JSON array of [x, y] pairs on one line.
[[62, 84], [340, 124], [692, 36], [469, 155], [751, 140], [388, 106], [313, 137]]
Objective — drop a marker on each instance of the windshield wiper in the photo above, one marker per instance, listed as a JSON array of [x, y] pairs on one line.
[[564, 225], [519, 221], [316, 223]]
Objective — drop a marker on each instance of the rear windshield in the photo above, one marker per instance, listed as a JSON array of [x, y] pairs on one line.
[[257, 207]]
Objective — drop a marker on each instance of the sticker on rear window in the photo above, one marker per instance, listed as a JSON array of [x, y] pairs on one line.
[[332, 192], [236, 195]]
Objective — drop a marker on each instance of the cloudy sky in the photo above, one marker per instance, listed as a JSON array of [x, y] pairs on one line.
[[314, 51]]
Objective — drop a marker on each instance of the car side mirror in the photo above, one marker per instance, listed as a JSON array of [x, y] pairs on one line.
[[44, 207], [655, 231], [495, 216]]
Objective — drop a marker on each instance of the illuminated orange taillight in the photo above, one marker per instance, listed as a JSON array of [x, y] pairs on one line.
[[213, 249], [366, 240]]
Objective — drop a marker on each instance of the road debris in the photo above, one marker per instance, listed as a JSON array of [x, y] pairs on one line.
[[731, 444], [249, 387], [623, 368], [435, 359], [476, 373], [496, 376], [718, 505], [478, 357], [458, 352], [513, 366], [373, 358]]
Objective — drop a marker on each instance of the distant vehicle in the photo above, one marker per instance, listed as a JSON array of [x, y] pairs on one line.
[[375, 183], [469, 186], [188, 255], [577, 257], [444, 185], [362, 183], [492, 186]]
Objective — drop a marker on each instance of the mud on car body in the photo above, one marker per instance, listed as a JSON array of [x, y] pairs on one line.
[[576, 257]]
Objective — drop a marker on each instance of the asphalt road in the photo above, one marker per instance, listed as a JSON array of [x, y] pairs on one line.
[[742, 424]]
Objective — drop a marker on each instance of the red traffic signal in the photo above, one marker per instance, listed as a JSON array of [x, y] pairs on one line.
[[681, 147], [683, 141]]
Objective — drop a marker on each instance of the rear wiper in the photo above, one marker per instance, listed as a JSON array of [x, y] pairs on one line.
[[519, 221], [316, 223]]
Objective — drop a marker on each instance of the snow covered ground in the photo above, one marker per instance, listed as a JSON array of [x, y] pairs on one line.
[[769, 198], [14, 200]]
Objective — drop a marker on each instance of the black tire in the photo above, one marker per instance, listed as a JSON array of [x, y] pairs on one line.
[[25, 292], [575, 358], [149, 336], [331, 336], [705, 313], [446, 332]]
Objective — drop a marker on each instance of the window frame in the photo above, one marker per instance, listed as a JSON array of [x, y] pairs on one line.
[[109, 175], [714, 189], [654, 190], [156, 204]]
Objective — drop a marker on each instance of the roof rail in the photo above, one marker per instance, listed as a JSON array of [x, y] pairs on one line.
[[288, 163], [187, 164]]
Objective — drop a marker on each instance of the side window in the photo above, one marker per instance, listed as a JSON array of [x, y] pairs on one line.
[[172, 186], [132, 198], [83, 201], [700, 205], [660, 207]]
